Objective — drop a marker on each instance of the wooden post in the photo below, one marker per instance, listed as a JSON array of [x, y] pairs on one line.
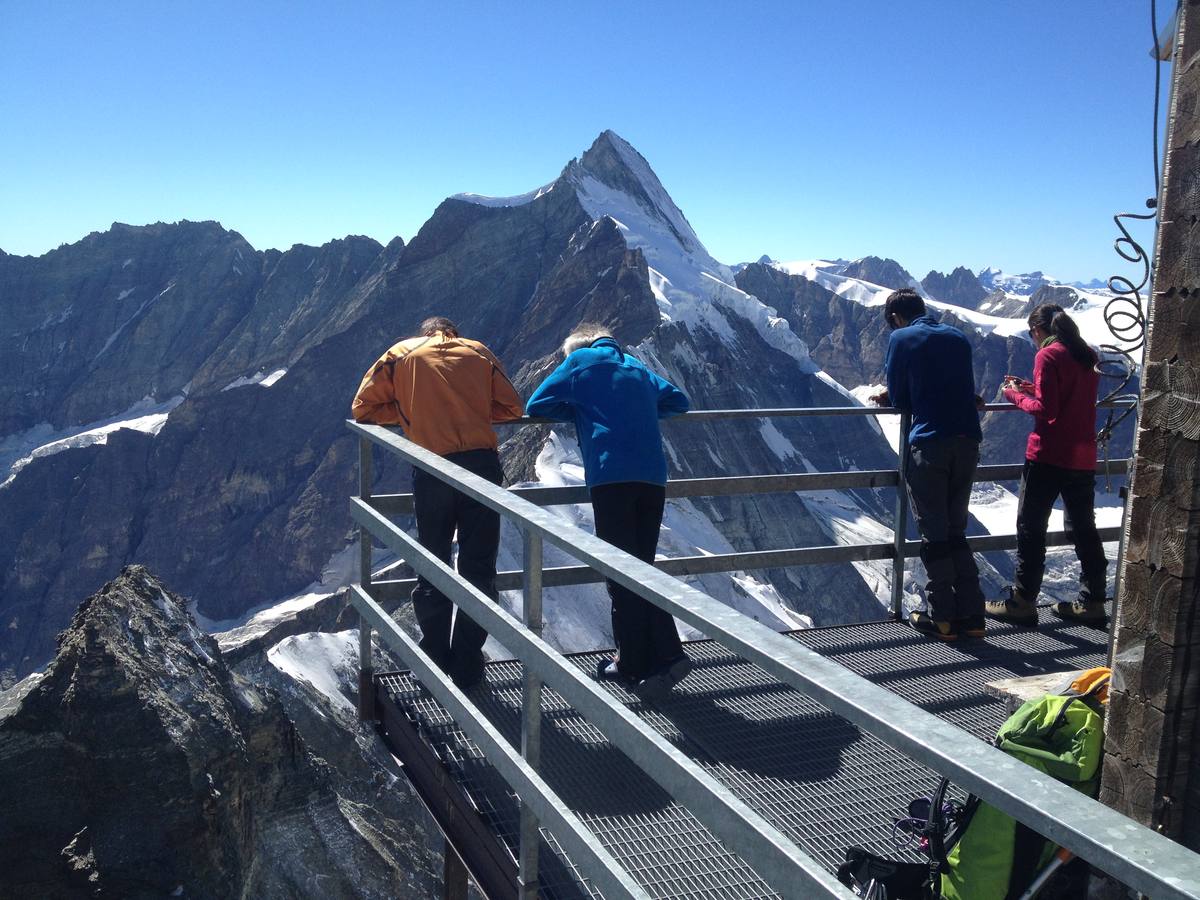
[[454, 874], [1151, 771]]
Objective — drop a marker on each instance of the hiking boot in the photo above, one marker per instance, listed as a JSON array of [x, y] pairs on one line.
[[1085, 613], [941, 631], [1013, 608], [658, 684], [467, 673], [606, 670], [970, 626]]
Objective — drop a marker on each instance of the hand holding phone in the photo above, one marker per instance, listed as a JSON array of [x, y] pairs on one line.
[[1016, 384]]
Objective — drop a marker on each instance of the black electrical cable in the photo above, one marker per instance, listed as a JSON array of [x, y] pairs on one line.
[[1157, 88]]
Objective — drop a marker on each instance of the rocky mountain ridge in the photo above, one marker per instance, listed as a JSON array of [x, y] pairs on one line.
[[237, 494], [139, 765], [961, 287]]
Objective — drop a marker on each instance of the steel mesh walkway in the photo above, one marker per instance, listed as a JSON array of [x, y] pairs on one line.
[[818, 778]]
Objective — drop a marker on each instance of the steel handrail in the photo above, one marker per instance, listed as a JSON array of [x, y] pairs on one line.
[[800, 412], [397, 589]]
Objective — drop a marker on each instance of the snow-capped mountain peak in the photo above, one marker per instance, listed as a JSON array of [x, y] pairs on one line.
[[616, 165], [1024, 284]]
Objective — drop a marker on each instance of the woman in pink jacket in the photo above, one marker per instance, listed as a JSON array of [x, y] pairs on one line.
[[1060, 461]]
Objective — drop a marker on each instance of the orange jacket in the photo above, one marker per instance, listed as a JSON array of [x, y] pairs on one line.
[[444, 391]]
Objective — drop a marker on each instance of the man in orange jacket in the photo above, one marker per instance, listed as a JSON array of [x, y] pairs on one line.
[[445, 392]]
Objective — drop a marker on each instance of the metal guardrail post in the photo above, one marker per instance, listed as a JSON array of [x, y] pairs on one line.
[[366, 668], [531, 711], [900, 527]]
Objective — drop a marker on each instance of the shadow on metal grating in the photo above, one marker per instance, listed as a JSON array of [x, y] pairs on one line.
[[818, 778]]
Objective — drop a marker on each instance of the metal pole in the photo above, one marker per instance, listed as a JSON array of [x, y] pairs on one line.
[[900, 526], [366, 669], [531, 711]]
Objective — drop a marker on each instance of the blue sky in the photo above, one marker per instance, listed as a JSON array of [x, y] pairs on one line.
[[937, 133]]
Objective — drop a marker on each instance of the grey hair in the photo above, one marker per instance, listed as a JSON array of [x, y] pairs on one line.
[[583, 335]]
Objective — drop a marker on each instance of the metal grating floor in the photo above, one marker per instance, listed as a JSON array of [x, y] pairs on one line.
[[817, 777]]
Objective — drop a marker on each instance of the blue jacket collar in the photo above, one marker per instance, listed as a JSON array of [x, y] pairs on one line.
[[605, 342]]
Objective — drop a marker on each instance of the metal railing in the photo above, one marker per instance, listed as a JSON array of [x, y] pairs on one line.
[[898, 549], [1131, 853]]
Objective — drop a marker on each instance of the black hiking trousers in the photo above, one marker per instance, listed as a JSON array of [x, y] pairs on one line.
[[940, 474], [629, 516], [1041, 485], [440, 512]]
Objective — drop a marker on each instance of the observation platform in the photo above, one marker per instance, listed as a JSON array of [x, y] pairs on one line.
[[819, 779]]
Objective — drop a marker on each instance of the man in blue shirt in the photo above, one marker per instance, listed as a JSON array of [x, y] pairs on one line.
[[616, 403], [929, 374]]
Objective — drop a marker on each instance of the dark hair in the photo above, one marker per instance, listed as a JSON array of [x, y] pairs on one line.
[[905, 302], [1053, 319], [434, 324]]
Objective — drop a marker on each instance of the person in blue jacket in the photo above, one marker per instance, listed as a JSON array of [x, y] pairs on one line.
[[615, 403], [930, 374]]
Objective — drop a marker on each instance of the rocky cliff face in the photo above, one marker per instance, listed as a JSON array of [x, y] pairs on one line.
[[885, 272], [139, 765], [1019, 307], [961, 288], [135, 312]]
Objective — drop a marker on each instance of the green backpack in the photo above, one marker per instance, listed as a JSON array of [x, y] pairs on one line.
[[994, 856]]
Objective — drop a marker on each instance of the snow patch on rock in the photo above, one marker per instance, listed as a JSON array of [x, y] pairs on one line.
[[321, 660], [19, 450], [518, 200], [262, 378]]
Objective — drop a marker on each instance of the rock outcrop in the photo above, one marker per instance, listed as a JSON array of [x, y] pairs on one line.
[[139, 765], [885, 272], [1018, 307], [961, 288]]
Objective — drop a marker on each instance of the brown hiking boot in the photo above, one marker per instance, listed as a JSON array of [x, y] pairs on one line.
[[971, 626], [1086, 613], [1013, 608], [941, 631]]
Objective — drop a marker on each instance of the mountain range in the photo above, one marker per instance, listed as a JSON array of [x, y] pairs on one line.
[[175, 399]]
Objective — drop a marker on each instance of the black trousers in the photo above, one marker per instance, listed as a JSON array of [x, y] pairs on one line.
[[1041, 485], [629, 516], [940, 475], [441, 511]]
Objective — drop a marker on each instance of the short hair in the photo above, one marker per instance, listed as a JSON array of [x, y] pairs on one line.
[[434, 324], [905, 302], [583, 336]]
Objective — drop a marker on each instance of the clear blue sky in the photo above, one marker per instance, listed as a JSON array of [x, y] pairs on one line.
[[938, 133]]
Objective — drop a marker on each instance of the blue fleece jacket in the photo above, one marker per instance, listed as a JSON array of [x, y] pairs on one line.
[[929, 373], [615, 403]]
